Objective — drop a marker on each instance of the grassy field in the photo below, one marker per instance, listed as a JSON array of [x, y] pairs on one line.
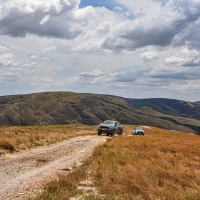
[[162, 165], [17, 138]]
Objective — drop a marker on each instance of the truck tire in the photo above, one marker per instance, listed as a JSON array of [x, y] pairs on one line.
[[112, 133]]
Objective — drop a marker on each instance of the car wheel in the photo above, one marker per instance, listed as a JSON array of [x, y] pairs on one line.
[[112, 133], [121, 131], [99, 132]]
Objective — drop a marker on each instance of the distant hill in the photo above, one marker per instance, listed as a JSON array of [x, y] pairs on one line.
[[197, 102], [170, 106], [68, 107]]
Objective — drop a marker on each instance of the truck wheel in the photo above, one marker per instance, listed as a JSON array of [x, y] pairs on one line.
[[99, 132], [112, 133]]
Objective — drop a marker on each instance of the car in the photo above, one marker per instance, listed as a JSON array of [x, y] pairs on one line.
[[110, 127], [138, 131]]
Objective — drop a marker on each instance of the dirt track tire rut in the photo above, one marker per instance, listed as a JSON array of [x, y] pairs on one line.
[[22, 174]]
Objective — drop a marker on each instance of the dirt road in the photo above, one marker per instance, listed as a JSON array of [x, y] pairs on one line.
[[21, 174]]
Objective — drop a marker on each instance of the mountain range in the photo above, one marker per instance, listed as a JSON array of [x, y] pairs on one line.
[[68, 108]]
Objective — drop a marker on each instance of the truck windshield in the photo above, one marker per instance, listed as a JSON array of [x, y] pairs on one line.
[[112, 123]]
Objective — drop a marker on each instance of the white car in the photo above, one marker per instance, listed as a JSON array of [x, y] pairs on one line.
[[138, 131]]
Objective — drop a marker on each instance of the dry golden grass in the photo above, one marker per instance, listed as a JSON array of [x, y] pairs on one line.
[[161, 165], [7, 144], [65, 186], [17, 138]]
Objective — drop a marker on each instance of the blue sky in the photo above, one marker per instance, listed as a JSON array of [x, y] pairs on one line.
[[136, 49], [99, 3]]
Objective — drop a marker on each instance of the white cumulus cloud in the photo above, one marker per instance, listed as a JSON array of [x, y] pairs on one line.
[[48, 49], [6, 59], [149, 55]]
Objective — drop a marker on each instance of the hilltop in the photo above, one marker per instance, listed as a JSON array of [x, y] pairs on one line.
[[91, 109]]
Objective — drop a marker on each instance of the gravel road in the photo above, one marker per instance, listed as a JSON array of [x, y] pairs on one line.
[[22, 174]]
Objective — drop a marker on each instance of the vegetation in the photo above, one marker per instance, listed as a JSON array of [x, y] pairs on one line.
[[75, 108], [170, 106], [160, 165], [64, 187], [16, 138]]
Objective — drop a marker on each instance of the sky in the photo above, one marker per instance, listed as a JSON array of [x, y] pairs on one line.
[[135, 49]]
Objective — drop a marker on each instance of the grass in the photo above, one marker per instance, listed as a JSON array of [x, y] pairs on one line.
[[64, 186], [162, 165], [17, 138], [7, 144]]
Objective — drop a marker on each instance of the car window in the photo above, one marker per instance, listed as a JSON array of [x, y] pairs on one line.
[[109, 123]]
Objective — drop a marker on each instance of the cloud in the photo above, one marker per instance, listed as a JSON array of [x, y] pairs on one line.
[[92, 78], [174, 60], [34, 57], [158, 23], [187, 57], [140, 48], [186, 86], [6, 59], [97, 25], [48, 49], [3, 49], [96, 3], [26, 66], [158, 28], [171, 75], [149, 55], [9, 76], [42, 81], [99, 77], [44, 18], [11, 70], [93, 74]]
